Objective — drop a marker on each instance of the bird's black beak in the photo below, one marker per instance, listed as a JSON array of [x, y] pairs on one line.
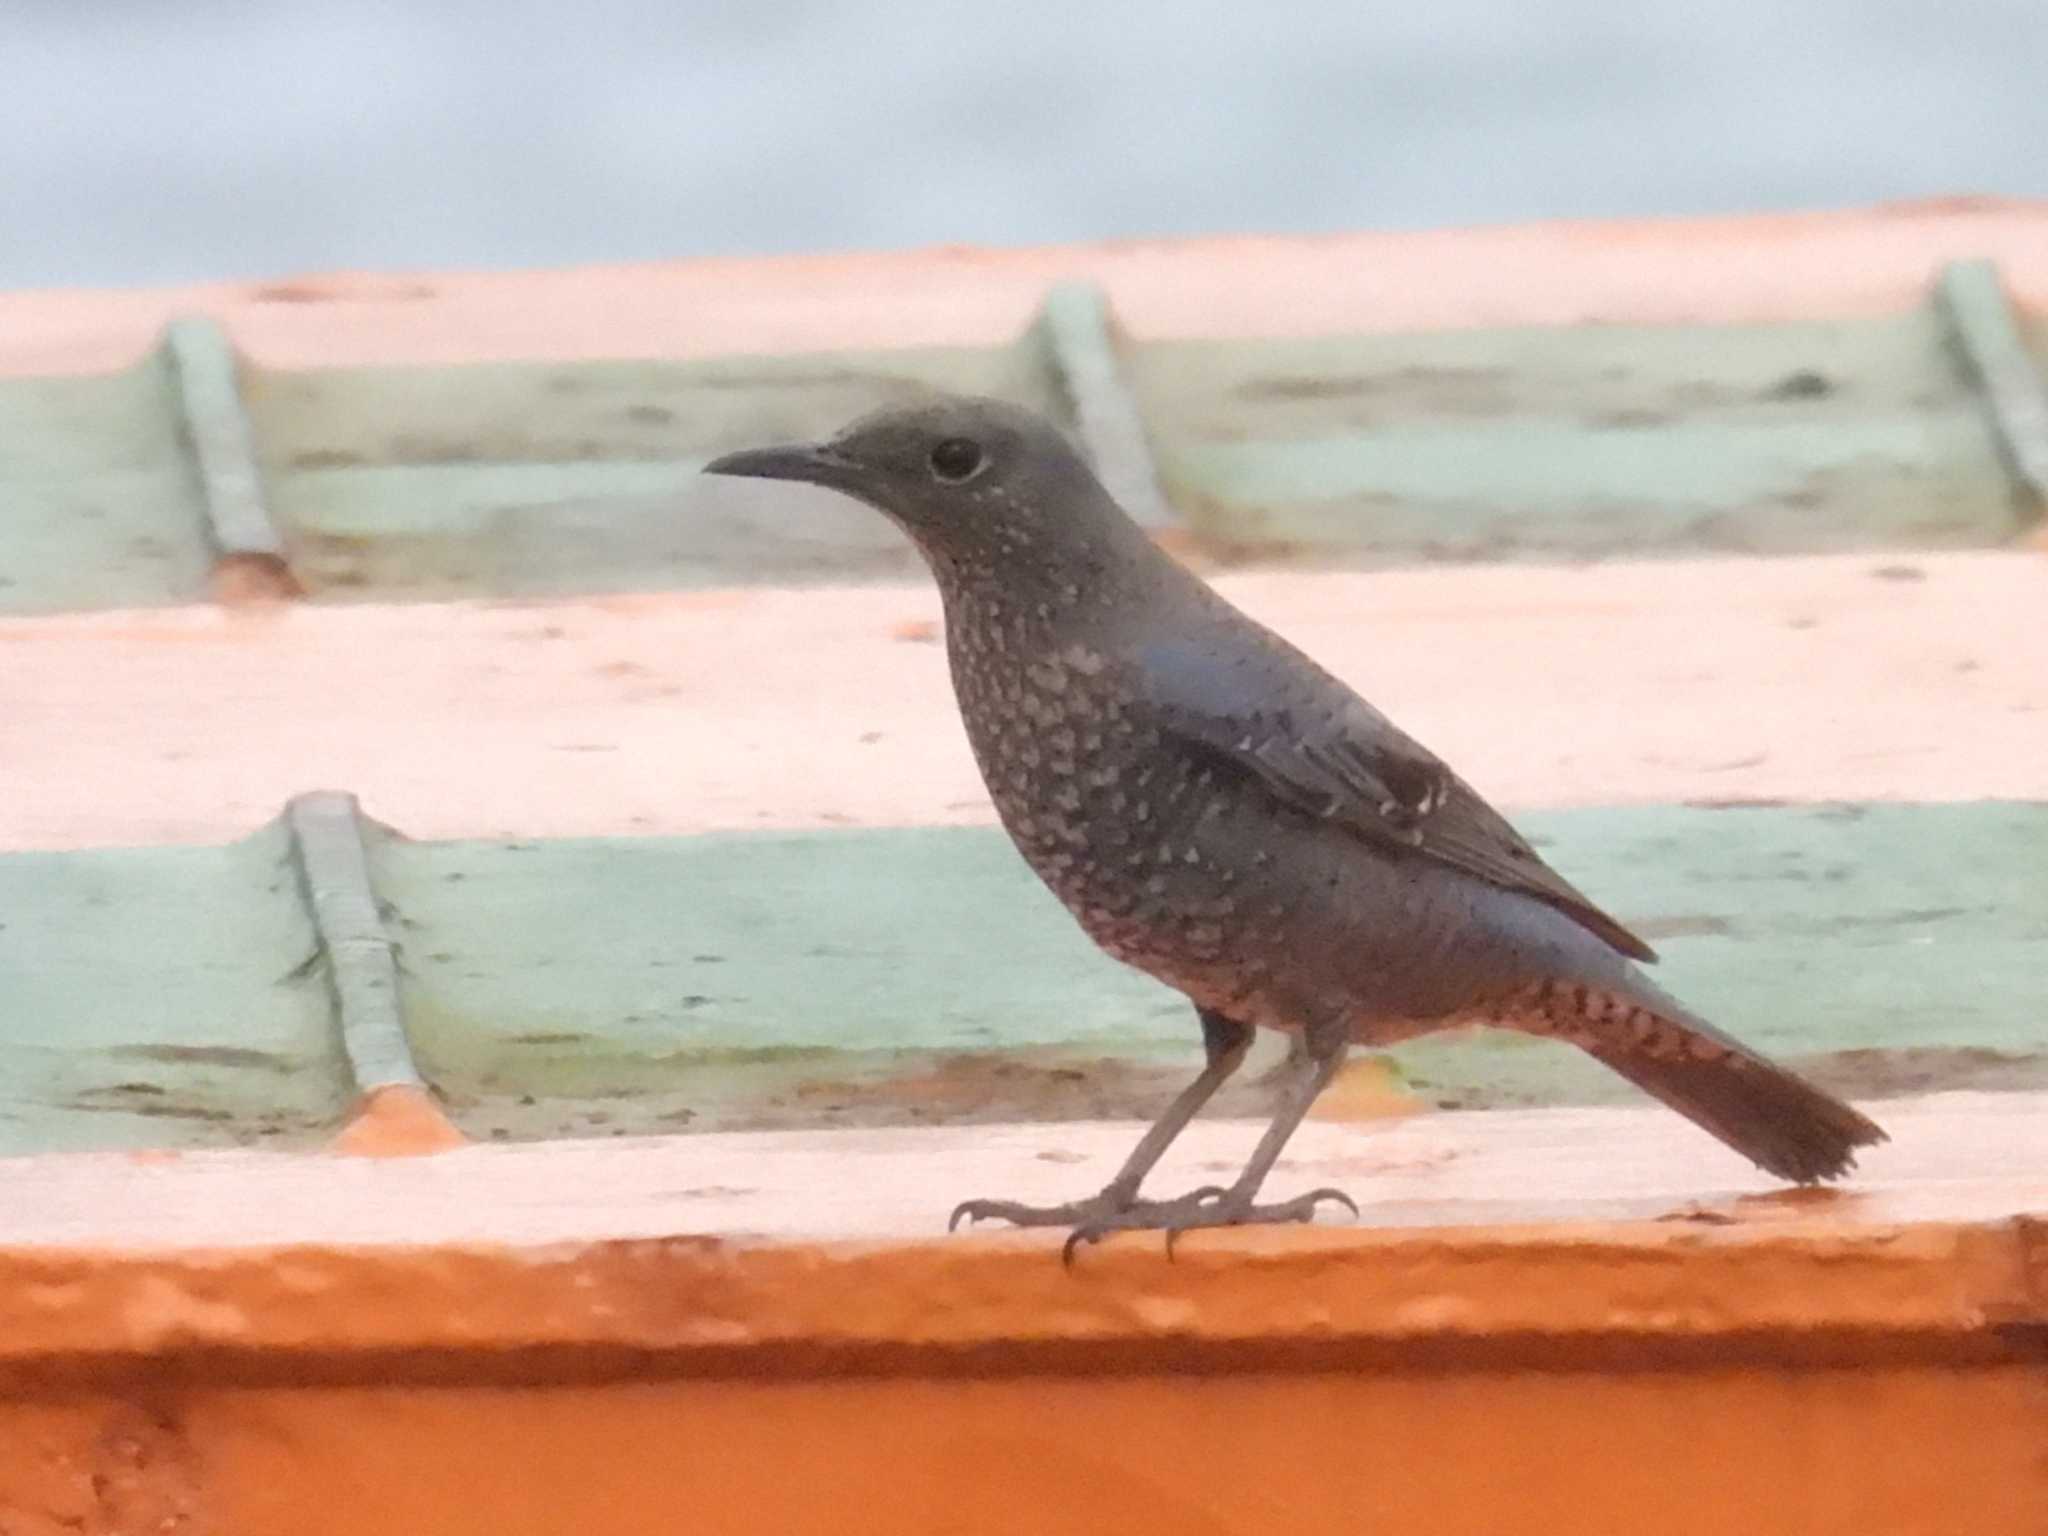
[[812, 463]]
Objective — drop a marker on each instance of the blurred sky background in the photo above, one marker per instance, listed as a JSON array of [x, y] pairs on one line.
[[144, 141]]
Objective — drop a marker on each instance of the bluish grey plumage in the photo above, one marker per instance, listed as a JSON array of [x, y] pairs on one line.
[[1217, 810]]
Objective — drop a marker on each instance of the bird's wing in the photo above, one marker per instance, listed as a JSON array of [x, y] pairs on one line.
[[1325, 751]]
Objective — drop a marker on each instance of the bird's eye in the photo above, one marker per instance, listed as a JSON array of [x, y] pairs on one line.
[[956, 459]]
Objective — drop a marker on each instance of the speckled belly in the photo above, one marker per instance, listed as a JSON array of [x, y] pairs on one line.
[[1278, 922], [1189, 872], [1196, 901]]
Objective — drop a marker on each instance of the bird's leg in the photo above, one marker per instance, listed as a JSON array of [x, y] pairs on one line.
[[1225, 1040], [1235, 1206]]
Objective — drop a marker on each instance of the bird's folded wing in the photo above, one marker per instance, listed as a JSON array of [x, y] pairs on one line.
[[1337, 758]]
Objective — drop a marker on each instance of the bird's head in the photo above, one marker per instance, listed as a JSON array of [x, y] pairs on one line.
[[979, 485]]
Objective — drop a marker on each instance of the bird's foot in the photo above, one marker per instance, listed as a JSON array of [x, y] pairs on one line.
[[1094, 1219], [1108, 1206], [1207, 1208]]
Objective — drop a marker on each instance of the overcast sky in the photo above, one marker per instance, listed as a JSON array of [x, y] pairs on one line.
[[146, 142]]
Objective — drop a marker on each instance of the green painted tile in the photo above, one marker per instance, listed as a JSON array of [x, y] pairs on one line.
[[1581, 442], [168, 997], [162, 998], [522, 479], [99, 505], [790, 979]]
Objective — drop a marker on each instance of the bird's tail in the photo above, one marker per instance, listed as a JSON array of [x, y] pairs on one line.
[[1773, 1117]]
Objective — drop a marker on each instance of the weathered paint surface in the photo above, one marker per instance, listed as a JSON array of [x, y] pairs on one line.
[[161, 997], [509, 479], [1731, 269], [1581, 1318], [1905, 1451], [1593, 441], [1850, 677], [1891, 948], [610, 985], [99, 502], [783, 1228], [519, 479], [510, 1338]]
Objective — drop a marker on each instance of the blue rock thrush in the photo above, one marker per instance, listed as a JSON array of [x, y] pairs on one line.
[[1220, 812]]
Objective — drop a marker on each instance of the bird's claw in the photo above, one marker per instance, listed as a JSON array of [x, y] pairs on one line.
[[1168, 1216], [1229, 1213], [1316, 1197], [1018, 1214], [969, 1211], [1107, 1207], [1092, 1220]]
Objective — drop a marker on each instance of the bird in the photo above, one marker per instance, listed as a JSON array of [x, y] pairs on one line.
[[1220, 812]]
